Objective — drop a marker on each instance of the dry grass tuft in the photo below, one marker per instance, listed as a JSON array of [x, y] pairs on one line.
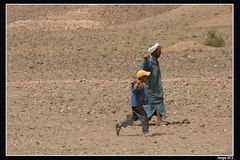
[[213, 39]]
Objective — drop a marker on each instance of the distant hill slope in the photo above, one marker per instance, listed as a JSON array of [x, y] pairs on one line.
[[110, 14], [146, 24]]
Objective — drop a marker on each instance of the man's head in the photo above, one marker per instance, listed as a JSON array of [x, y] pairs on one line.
[[155, 50], [142, 75]]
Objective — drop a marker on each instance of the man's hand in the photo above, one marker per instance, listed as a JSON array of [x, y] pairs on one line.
[[146, 55]]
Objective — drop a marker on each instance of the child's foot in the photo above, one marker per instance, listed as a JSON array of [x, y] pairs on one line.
[[118, 128]]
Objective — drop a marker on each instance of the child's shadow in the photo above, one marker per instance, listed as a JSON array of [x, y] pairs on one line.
[[160, 134], [149, 135]]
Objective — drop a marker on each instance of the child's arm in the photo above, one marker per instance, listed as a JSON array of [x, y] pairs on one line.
[[135, 85]]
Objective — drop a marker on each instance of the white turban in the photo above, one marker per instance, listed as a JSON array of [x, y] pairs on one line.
[[153, 48]]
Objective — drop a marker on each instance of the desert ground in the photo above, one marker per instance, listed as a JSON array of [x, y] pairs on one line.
[[69, 69]]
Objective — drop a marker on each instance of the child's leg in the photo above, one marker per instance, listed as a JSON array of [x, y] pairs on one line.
[[129, 120], [128, 116], [143, 118]]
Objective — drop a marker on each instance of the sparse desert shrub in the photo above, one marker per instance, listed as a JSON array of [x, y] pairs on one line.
[[213, 39]]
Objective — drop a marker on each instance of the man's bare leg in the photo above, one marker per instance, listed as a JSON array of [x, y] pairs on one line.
[[159, 119]]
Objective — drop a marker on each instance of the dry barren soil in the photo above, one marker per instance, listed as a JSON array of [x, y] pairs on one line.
[[69, 69]]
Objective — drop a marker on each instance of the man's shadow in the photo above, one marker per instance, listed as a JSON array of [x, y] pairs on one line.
[[165, 123], [150, 135]]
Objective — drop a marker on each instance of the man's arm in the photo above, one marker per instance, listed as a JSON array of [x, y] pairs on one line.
[[145, 64]]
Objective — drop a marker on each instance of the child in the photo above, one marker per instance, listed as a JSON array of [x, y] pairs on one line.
[[137, 102]]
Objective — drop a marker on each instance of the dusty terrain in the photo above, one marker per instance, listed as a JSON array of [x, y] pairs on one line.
[[69, 68]]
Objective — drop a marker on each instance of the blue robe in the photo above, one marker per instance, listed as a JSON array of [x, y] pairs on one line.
[[153, 87]]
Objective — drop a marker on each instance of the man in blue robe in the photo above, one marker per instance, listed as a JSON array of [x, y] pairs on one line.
[[153, 88]]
